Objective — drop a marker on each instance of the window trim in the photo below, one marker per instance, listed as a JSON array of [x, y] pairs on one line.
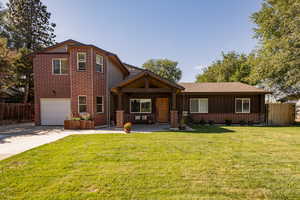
[[101, 64], [140, 106], [198, 105], [82, 104], [85, 54], [100, 104], [249, 99], [60, 59]]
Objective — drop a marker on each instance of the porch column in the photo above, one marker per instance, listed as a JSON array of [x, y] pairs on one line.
[[120, 112], [174, 112]]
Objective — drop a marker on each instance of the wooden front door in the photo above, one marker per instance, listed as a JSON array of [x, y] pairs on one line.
[[162, 110]]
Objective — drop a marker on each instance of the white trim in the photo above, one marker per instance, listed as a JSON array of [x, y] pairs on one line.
[[199, 100], [101, 63], [82, 104], [249, 99], [84, 53], [100, 104], [60, 59], [140, 105]]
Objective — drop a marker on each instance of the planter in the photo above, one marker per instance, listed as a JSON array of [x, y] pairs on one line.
[[127, 130], [79, 124]]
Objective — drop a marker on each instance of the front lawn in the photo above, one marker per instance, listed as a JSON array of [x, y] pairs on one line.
[[211, 163]]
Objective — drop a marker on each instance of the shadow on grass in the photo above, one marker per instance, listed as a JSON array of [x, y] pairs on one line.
[[210, 130]]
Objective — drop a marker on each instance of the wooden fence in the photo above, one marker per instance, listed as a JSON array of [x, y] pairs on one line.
[[16, 112], [280, 114]]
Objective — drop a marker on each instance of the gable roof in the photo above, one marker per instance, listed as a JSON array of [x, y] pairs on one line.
[[74, 43], [221, 87], [142, 73]]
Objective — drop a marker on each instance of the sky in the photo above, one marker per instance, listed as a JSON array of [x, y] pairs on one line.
[[191, 32]]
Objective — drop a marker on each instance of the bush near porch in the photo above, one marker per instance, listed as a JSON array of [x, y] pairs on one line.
[[211, 163]]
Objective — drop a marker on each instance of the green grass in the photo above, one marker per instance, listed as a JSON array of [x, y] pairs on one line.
[[211, 163]]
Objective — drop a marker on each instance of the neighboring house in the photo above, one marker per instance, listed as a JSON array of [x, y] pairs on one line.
[[71, 77]]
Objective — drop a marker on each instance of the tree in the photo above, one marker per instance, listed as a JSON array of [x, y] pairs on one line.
[[29, 24], [278, 30], [165, 68], [24, 74], [232, 67]]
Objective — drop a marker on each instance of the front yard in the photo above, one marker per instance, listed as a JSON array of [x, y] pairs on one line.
[[211, 163]]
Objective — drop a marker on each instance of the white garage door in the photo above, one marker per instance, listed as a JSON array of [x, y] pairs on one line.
[[54, 111]]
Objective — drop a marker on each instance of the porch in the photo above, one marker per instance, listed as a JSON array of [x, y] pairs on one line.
[[146, 99]]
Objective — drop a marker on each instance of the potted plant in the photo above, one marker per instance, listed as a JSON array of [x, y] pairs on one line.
[[127, 127]]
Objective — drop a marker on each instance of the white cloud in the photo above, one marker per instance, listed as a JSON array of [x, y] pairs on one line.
[[199, 67]]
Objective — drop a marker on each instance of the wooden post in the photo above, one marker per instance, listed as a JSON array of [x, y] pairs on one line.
[[120, 104], [173, 101]]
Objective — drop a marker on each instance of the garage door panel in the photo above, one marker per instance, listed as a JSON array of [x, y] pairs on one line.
[[54, 111]]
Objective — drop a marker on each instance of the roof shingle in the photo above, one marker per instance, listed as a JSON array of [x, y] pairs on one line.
[[221, 87]]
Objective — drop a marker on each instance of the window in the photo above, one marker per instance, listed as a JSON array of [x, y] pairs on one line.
[[242, 105], [140, 106], [99, 104], [59, 66], [82, 106], [99, 63], [81, 61], [199, 105]]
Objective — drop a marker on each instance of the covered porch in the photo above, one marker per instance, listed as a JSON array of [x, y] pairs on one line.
[[146, 99]]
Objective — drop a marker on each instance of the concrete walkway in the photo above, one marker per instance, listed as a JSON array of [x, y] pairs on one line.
[[15, 139]]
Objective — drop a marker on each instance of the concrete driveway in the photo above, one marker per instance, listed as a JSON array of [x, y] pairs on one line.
[[18, 138]]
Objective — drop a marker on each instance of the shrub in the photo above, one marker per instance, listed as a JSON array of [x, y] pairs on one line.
[[76, 118], [228, 122], [190, 120], [211, 122], [242, 123], [128, 125], [250, 123], [202, 122]]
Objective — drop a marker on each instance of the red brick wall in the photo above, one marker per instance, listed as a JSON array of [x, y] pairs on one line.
[[47, 85], [100, 89], [89, 83]]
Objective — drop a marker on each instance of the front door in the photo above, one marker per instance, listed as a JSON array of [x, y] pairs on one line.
[[162, 110]]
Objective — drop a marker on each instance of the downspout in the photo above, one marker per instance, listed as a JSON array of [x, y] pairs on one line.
[[92, 77]]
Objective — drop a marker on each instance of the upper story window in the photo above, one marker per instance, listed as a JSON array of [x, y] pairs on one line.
[[81, 61], [59, 66], [242, 105], [99, 63], [140, 106], [199, 105]]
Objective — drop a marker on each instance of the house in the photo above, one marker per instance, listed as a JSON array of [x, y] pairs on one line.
[[71, 77]]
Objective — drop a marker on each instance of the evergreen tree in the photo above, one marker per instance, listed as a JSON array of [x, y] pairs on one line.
[[29, 24]]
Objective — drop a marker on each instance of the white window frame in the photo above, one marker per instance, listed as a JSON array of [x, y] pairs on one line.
[[100, 104], [82, 104], [60, 60], [249, 99], [101, 63], [140, 105], [198, 104], [80, 61]]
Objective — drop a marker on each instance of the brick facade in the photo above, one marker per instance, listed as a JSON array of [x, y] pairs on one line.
[[47, 85], [88, 83]]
